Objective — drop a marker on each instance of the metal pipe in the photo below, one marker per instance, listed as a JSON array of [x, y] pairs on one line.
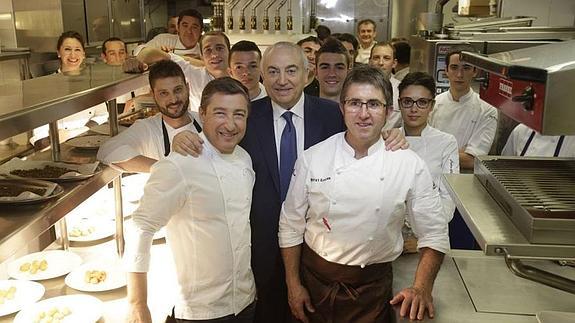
[[64, 234], [313, 15], [253, 20], [120, 242], [54, 137], [242, 15], [538, 275], [277, 18], [289, 18], [266, 19], [231, 5], [439, 5]]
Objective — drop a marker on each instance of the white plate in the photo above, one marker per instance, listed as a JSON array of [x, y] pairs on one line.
[[115, 277], [101, 228], [87, 142], [27, 293], [84, 309], [60, 263]]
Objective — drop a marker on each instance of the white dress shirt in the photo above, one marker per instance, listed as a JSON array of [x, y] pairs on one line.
[[297, 119], [169, 41], [351, 211], [540, 146], [472, 121], [363, 54], [205, 205], [262, 94], [393, 119], [197, 78], [439, 151], [144, 137]]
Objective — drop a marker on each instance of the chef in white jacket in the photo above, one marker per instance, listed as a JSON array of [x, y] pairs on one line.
[[383, 57], [205, 205], [525, 141], [149, 140], [463, 114], [437, 148]]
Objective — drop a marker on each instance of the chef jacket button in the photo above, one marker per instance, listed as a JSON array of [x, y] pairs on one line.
[[325, 254], [338, 172], [362, 266], [381, 178], [376, 209], [333, 202]]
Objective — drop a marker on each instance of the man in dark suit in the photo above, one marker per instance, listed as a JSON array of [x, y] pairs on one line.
[[284, 71]]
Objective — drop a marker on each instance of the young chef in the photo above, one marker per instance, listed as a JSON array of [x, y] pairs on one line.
[[383, 57]]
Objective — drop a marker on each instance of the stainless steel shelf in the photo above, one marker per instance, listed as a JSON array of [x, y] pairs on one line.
[[21, 224], [491, 227], [28, 104]]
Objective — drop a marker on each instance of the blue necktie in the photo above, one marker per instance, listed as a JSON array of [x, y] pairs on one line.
[[288, 153]]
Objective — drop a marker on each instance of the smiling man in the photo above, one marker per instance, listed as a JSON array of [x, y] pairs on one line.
[[333, 63], [113, 51], [340, 225], [148, 140], [185, 42], [383, 57], [366, 35], [205, 205]]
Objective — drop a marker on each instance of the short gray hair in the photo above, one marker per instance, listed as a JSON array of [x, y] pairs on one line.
[[281, 45]]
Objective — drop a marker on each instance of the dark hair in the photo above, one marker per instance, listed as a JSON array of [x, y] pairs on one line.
[[191, 13], [224, 85], [402, 51], [418, 78], [365, 74], [334, 46], [308, 39], [348, 38], [245, 46], [323, 32], [112, 39], [456, 51], [164, 69], [69, 34], [366, 21], [382, 44], [214, 33]]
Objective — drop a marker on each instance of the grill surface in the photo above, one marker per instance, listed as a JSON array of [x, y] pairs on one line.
[[544, 188]]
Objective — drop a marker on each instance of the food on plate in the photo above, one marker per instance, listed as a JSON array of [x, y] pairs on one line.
[[81, 231], [34, 266], [95, 276], [46, 172], [7, 294], [12, 190], [53, 315]]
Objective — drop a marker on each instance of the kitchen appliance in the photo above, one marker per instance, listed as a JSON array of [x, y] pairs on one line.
[[533, 86]]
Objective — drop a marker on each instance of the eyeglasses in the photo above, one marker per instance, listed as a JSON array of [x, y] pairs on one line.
[[355, 105], [421, 103]]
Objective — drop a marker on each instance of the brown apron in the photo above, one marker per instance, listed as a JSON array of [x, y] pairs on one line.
[[342, 293]]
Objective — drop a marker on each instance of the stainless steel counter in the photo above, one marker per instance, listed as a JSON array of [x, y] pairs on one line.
[[474, 288], [32, 103]]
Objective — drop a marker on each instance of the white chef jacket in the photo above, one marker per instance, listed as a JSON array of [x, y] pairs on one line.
[[197, 78], [351, 211], [205, 205], [170, 41], [263, 92], [393, 119], [439, 151], [144, 137], [472, 121], [364, 54], [540, 146]]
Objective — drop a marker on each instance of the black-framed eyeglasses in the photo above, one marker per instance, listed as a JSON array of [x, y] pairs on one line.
[[356, 104], [421, 103]]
